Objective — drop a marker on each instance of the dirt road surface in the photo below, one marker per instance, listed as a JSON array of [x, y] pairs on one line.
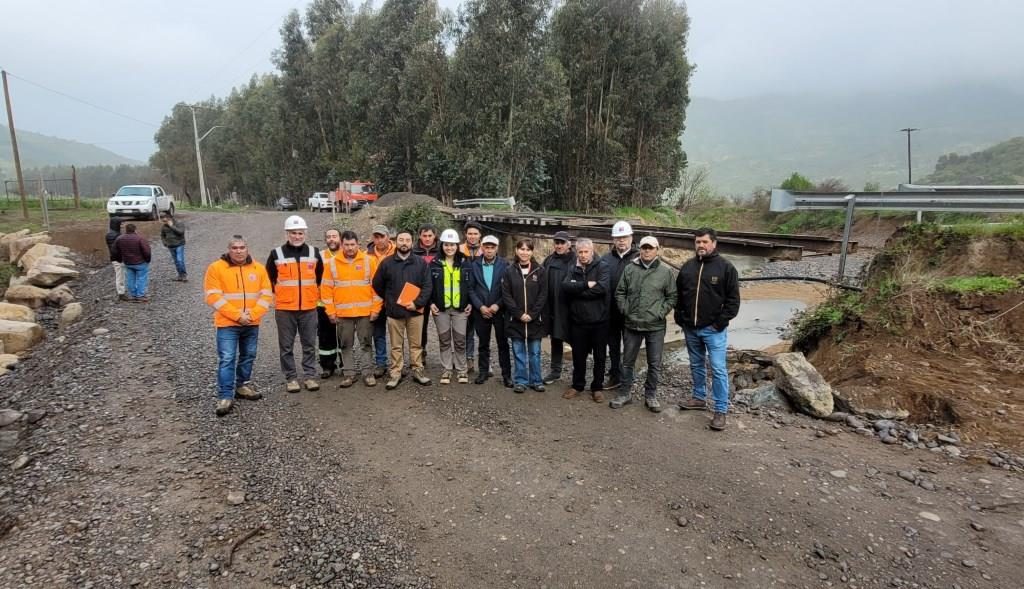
[[456, 486]]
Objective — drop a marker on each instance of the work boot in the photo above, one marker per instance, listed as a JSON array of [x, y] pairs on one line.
[[570, 393], [446, 377], [653, 404], [420, 378], [246, 392], [123, 297], [552, 377], [326, 373], [718, 421], [693, 404], [311, 385], [481, 378], [346, 382], [621, 401], [393, 383], [463, 378], [224, 407], [538, 387], [380, 371], [519, 389], [182, 278], [369, 380], [598, 396], [292, 386], [142, 299]]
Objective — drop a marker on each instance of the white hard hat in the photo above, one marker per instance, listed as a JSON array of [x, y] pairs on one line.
[[622, 229], [294, 222], [449, 236]]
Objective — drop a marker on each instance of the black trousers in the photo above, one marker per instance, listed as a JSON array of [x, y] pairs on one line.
[[586, 340], [616, 324], [327, 334], [483, 327]]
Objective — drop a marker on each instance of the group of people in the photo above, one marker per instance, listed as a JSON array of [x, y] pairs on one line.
[[364, 311], [130, 256]]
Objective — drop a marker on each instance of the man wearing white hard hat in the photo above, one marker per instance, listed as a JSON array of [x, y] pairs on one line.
[[622, 253], [296, 270], [645, 295]]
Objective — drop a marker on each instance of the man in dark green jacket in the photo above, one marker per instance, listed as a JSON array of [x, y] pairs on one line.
[[172, 234], [645, 296]]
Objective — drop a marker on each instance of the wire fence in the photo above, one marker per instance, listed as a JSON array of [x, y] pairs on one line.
[[59, 193]]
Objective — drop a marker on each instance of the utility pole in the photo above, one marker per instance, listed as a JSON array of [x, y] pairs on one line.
[[14, 147], [204, 197], [199, 159], [908, 131]]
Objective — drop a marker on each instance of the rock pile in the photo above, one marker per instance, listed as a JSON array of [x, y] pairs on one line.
[[46, 270]]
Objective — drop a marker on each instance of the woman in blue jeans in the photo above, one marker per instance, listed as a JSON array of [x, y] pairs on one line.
[[524, 292]]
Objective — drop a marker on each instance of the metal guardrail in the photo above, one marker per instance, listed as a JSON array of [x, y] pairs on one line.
[[475, 202], [964, 199]]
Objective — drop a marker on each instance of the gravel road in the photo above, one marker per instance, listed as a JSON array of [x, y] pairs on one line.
[[460, 486]]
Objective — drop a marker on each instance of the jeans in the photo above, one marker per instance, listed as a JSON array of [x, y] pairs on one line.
[[302, 323], [527, 354], [702, 344], [587, 339], [654, 341], [483, 327], [136, 279], [380, 341], [178, 257], [236, 351]]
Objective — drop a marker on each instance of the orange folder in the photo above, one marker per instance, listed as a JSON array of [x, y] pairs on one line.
[[409, 293]]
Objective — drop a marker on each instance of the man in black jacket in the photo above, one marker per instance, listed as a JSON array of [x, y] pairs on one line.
[[709, 297], [485, 274], [172, 234], [405, 322], [623, 252], [113, 232], [556, 268], [588, 294]]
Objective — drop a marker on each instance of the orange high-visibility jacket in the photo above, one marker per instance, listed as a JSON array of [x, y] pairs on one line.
[[371, 250], [293, 277], [232, 288], [347, 289]]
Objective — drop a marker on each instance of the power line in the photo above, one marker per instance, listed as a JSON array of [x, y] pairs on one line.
[[85, 102]]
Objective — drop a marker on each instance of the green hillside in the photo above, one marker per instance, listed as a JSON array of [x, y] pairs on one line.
[[758, 141], [999, 164], [41, 150]]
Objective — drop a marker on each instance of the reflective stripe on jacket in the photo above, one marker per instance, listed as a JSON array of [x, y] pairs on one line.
[[347, 287], [296, 288], [231, 288]]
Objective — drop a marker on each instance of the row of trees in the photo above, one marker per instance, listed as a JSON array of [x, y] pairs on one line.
[[580, 106]]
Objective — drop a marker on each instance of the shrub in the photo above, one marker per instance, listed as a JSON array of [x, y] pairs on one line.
[[979, 285], [410, 218]]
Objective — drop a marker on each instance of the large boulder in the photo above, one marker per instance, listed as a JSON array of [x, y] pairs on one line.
[[71, 313], [766, 396], [52, 254], [49, 276], [60, 296], [26, 294], [21, 245], [806, 389], [19, 336], [5, 243], [12, 312]]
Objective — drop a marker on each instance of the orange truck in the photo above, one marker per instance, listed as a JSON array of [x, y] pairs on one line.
[[352, 196]]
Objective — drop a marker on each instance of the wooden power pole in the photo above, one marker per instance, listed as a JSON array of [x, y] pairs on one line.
[[14, 147]]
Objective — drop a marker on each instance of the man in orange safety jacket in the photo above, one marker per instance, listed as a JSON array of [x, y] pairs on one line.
[[351, 303], [239, 291]]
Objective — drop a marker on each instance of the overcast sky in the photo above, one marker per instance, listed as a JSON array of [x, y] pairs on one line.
[[140, 57]]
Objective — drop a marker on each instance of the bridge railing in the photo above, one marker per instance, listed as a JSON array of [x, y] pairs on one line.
[[509, 202]]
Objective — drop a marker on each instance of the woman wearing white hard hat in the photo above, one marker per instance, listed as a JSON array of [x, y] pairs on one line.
[[450, 306]]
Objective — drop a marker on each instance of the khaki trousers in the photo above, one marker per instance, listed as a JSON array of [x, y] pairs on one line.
[[355, 359], [401, 331]]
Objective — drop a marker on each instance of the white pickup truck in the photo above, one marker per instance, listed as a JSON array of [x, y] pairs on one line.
[[320, 201], [144, 201]]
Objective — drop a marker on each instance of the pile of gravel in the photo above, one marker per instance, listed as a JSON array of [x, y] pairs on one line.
[[402, 199]]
